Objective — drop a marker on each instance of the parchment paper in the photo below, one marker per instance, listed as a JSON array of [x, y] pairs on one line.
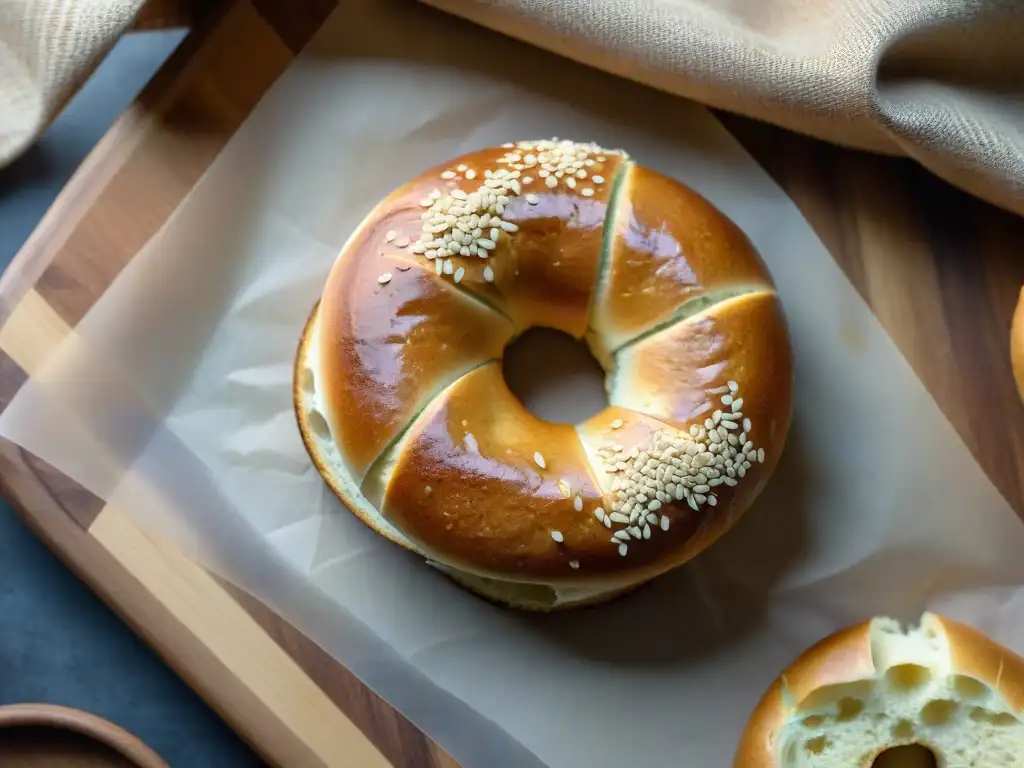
[[172, 402]]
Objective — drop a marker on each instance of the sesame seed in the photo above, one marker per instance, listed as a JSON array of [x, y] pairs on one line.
[[620, 536], [760, 455], [404, 267], [385, 278], [532, 199], [599, 179], [587, 192], [623, 549], [733, 387], [574, 564], [557, 536], [616, 423], [448, 175], [607, 522], [577, 503], [726, 399], [448, 268], [438, 266], [459, 274], [402, 242], [599, 513], [712, 500], [391, 235], [563, 486], [527, 180], [539, 460], [488, 274], [551, 182], [665, 522], [470, 174], [647, 531], [618, 517], [746, 425]]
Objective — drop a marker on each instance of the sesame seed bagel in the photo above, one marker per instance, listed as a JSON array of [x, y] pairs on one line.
[[402, 404], [875, 694]]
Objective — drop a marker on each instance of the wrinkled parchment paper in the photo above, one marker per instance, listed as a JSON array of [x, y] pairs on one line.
[[172, 402]]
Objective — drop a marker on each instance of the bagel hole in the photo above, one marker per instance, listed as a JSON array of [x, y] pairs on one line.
[[554, 376], [909, 756]]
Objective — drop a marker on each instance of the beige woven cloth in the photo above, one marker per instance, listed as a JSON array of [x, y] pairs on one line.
[[939, 80], [47, 48]]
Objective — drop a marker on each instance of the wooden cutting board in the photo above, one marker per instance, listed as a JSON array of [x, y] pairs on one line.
[[940, 270]]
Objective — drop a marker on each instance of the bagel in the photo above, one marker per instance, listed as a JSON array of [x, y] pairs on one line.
[[403, 408], [875, 694], [1017, 343]]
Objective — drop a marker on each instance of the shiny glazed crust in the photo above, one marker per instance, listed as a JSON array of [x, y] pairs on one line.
[[669, 294], [847, 657]]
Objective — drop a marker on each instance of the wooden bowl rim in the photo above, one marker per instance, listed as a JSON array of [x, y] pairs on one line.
[[83, 723]]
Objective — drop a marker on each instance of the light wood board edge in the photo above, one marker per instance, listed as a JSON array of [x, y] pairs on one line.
[[32, 333]]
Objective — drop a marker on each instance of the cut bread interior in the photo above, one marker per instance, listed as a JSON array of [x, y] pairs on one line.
[[915, 691]]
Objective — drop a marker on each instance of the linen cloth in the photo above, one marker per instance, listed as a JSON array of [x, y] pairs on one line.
[[941, 81]]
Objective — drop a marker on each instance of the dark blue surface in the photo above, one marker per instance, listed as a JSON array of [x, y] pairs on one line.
[[58, 642]]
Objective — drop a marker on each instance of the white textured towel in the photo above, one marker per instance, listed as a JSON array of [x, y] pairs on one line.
[[47, 48], [941, 81]]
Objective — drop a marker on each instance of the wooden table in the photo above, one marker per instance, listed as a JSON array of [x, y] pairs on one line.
[[941, 271]]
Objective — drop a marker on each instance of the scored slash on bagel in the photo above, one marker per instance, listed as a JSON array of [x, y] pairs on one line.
[[873, 691], [402, 405]]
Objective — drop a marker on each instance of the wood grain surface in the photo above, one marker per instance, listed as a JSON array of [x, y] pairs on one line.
[[939, 269]]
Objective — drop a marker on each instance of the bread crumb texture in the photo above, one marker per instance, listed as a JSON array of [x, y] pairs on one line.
[[915, 698]]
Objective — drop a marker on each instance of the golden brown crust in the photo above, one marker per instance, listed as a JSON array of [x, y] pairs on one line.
[[402, 353], [302, 391], [671, 376], [669, 246], [1017, 343], [302, 402], [978, 656], [386, 349], [468, 484]]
